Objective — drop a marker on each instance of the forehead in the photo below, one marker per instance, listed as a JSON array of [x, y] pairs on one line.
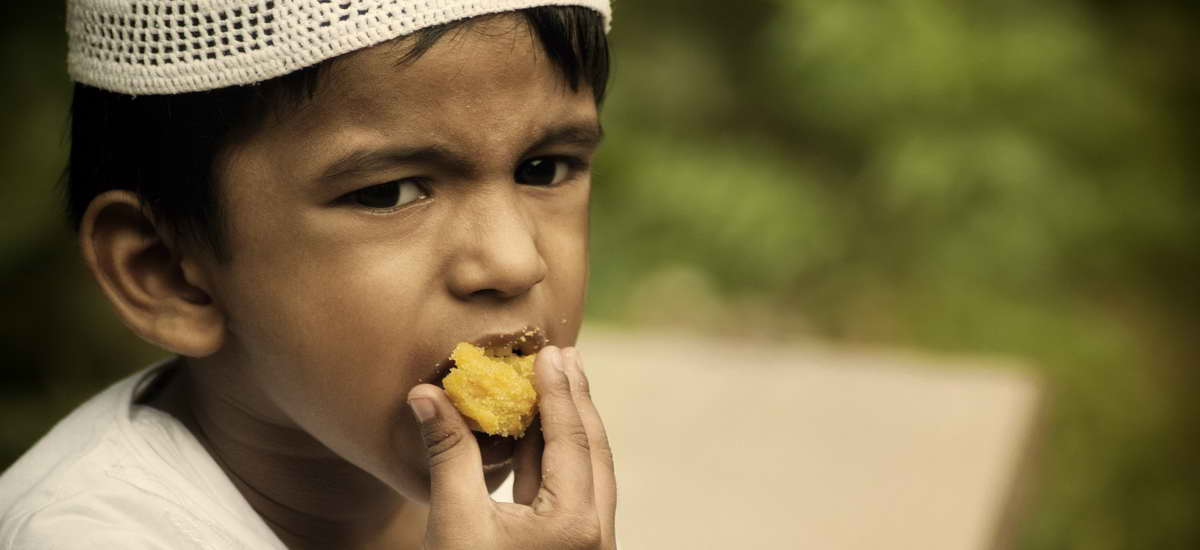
[[485, 79]]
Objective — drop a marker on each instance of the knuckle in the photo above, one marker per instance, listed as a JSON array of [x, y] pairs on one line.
[[441, 443], [604, 454], [559, 387], [580, 384], [582, 532], [572, 433], [577, 437], [544, 503]]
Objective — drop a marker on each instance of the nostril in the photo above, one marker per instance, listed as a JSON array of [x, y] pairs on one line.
[[499, 263]]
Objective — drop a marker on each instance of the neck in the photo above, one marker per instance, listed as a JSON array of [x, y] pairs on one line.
[[308, 495]]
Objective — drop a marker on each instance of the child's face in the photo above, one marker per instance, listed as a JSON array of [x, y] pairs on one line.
[[338, 304]]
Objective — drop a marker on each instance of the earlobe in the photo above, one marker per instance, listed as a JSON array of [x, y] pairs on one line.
[[159, 292]]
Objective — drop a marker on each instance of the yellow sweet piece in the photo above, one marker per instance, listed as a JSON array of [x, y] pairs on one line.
[[493, 389]]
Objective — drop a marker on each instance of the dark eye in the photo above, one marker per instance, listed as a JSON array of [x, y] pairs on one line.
[[392, 194], [542, 171]]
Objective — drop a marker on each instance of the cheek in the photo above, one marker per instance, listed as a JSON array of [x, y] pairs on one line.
[[333, 335], [315, 298], [564, 246]]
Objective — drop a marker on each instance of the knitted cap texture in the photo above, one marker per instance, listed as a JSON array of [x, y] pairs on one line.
[[143, 47]]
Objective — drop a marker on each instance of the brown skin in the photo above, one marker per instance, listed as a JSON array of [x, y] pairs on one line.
[[302, 348]]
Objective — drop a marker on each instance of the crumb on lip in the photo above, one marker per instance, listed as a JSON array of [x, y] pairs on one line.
[[528, 341]]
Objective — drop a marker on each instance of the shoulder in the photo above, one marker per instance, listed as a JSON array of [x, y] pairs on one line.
[[102, 519], [73, 524], [68, 444], [116, 476], [101, 501], [105, 501]]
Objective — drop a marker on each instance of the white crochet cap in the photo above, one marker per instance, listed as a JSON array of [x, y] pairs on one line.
[[173, 46]]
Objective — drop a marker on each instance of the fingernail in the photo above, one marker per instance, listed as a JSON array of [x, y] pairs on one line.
[[423, 409], [556, 359], [570, 357], [579, 361]]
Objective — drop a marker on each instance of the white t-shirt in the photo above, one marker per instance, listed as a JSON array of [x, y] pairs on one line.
[[116, 474]]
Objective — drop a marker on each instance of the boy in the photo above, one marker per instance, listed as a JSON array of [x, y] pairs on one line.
[[310, 203]]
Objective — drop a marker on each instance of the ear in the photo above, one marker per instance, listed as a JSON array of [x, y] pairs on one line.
[[161, 294]]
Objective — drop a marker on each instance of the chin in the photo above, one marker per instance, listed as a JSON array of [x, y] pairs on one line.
[[494, 477]]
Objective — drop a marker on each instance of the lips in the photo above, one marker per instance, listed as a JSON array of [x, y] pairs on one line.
[[525, 341]]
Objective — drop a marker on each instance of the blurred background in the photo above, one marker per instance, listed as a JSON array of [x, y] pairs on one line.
[[1012, 178]]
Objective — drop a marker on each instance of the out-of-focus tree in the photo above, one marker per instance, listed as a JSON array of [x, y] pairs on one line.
[[998, 176]]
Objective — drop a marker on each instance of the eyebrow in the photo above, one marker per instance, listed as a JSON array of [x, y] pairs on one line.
[[373, 160], [587, 135]]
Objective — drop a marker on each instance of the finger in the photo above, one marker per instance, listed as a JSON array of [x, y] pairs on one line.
[[455, 467], [603, 475], [527, 465], [567, 461]]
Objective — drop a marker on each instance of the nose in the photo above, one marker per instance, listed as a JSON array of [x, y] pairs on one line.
[[497, 251]]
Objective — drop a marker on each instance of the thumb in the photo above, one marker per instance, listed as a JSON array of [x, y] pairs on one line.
[[455, 467]]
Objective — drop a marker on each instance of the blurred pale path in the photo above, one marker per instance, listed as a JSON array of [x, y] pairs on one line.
[[734, 445]]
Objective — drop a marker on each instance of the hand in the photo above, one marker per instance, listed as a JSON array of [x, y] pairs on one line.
[[565, 492]]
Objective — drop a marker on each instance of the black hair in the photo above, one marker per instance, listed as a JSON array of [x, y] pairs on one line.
[[164, 147]]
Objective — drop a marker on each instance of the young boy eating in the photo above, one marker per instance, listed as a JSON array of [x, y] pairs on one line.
[[310, 203]]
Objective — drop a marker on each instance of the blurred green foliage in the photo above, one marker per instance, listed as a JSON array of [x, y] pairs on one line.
[[1001, 177]]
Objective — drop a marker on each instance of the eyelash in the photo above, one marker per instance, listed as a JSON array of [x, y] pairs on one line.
[[352, 197], [573, 165]]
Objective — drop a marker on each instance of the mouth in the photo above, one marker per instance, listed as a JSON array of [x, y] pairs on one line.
[[496, 450], [527, 341]]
